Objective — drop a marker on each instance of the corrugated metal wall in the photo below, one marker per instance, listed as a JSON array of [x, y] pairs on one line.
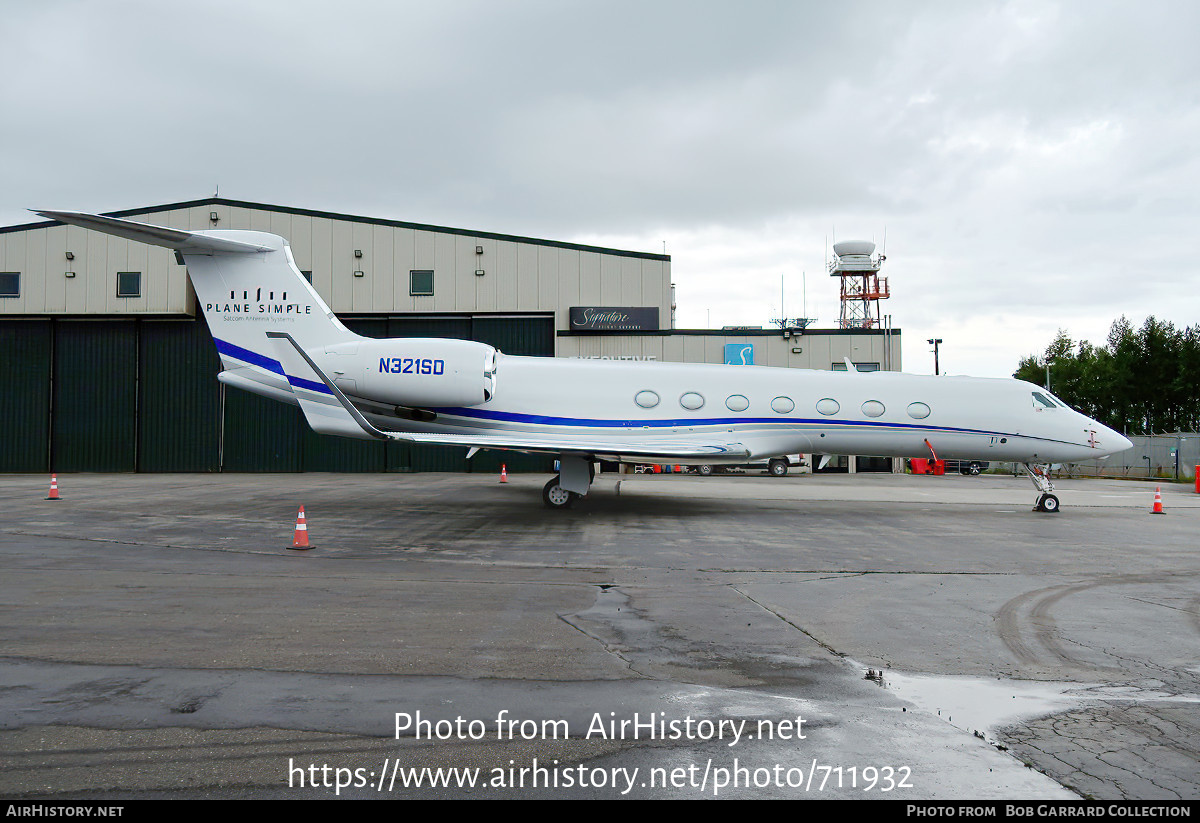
[[126, 395], [26, 350], [95, 394], [179, 413]]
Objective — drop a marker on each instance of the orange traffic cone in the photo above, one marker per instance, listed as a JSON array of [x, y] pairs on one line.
[[300, 540], [503, 473], [53, 488], [1158, 509]]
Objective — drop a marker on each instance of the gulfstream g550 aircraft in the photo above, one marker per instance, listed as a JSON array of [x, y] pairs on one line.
[[277, 338]]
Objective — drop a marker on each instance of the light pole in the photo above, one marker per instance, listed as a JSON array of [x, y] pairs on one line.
[[935, 342]]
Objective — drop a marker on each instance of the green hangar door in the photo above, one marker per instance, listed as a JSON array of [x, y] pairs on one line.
[[26, 352], [142, 395], [94, 418]]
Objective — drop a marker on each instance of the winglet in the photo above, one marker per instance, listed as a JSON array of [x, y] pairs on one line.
[[326, 409]]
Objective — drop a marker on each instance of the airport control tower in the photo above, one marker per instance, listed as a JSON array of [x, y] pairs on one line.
[[857, 264]]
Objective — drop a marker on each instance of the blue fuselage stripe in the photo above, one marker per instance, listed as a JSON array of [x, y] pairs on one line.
[[273, 366], [301, 383], [253, 358]]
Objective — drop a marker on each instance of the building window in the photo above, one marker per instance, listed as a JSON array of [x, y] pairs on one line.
[[129, 284], [420, 282], [10, 284], [864, 367]]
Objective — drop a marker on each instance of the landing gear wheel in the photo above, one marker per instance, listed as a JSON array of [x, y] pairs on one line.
[[704, 471], [777, 468], [556, 497], [1047, 503]]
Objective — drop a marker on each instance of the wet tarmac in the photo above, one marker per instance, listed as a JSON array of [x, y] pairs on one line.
[[830, 636]]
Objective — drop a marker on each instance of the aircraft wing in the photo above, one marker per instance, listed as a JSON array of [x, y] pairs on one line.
[[329, 411]]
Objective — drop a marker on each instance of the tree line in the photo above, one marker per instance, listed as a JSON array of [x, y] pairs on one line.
[[1144, 381]]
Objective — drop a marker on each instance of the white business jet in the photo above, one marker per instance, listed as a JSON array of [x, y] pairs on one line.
[[277, 338]]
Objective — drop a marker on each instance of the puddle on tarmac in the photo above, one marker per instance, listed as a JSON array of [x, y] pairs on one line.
[[977, 704]]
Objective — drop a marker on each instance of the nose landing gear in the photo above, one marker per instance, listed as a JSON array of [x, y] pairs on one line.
[[1039, 474]]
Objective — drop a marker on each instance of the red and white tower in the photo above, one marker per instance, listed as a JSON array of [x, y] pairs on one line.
[[857, 264]]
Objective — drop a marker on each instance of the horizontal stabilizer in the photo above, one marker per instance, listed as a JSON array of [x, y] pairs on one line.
[[325, 407], [183, 241]]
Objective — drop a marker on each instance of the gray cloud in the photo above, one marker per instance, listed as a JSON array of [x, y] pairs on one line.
[[1035, 159]]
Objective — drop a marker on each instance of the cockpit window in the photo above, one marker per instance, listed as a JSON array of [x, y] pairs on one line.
[[1042, 399]]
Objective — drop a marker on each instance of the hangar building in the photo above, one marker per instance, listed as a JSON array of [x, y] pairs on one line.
[[107, 366]]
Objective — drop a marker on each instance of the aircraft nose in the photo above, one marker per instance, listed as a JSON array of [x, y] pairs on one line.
[[1113, 442]]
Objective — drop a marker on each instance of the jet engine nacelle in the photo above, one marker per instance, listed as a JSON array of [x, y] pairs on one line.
[[416, 371]]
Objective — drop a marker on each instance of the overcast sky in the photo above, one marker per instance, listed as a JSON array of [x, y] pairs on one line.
[[1035, 165]]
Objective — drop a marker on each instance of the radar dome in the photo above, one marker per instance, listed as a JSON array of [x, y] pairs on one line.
[[854, 247]]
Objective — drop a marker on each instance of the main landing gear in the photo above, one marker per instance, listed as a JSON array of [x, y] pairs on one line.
[[1039, 473], [556, 497], [575, 477]]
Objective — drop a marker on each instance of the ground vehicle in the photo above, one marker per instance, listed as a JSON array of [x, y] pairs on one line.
[[776, 466], [967, 467], [964, 467]]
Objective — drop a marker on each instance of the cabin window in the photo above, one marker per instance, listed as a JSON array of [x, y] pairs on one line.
[[828, 406], [420, 283], [1041, 399], [129, 284], [691, 401], [918, 411], [873, 408], [782, 405], [10, 284], [737, 402], [646, 399], [307, 275]]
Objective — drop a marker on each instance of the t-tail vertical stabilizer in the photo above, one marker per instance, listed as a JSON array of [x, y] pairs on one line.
[[247, 284]]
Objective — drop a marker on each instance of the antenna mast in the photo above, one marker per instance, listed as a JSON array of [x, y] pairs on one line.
[[857, 264]]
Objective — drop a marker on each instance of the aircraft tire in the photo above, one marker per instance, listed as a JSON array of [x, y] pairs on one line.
[[556, 497], [1048, 503]]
